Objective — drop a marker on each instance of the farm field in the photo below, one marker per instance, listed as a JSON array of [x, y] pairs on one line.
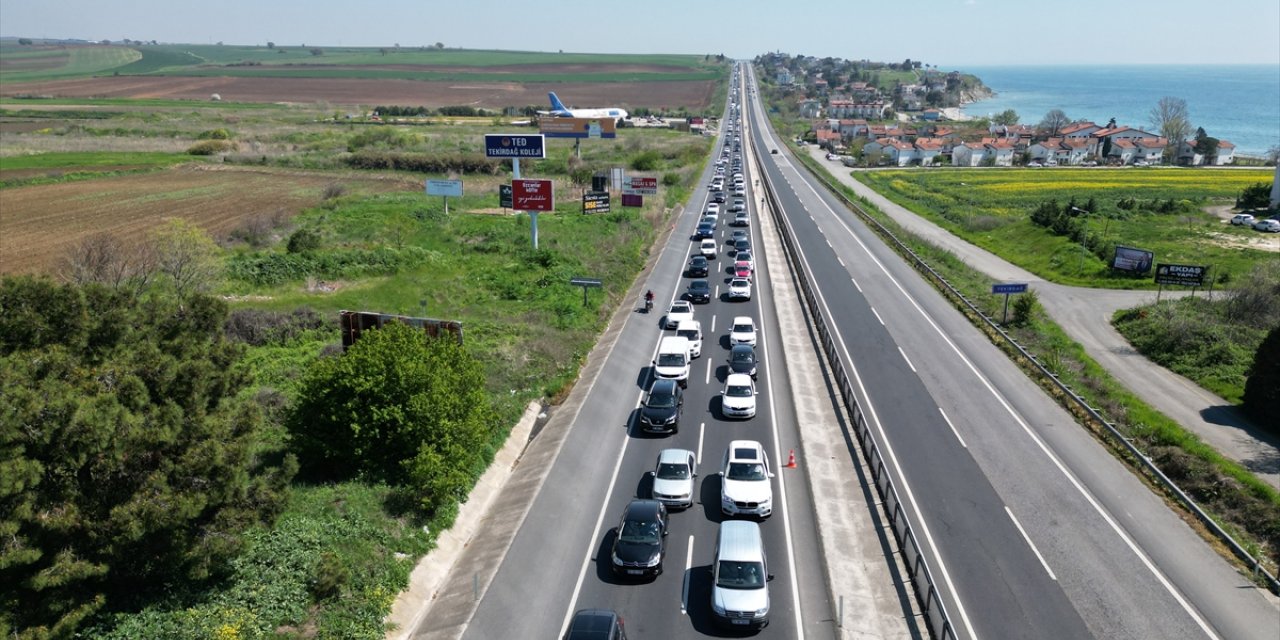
[[1179, 214], [41, 223]]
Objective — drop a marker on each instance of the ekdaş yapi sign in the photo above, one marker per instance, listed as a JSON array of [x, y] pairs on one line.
[[1187, 275]]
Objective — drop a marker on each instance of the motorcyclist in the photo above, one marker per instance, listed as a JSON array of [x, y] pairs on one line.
[[648, 300]]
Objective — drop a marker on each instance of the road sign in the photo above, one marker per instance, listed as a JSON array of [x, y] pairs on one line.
[[640, 185], [1009, 287], [577, 127], [532, 195], [632, 200], [444, 188], [504, 196], [595, 202], [586, 282], [1186, 275], [502, 145]]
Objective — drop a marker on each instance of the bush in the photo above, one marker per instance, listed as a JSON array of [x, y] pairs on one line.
[[214, 134], [646, 161], [303, 240], [1024, 307], [211, 147], [422, 162], [1255, 196], [258, 328], [1262, 387], [671, 179]]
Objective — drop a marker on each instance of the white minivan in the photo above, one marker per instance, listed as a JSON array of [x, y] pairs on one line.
[[673, 360], [740, 577]]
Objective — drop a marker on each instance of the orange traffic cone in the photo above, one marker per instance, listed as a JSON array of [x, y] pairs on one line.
[[791, 460]]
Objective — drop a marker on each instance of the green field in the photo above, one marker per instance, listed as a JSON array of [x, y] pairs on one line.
[[79, 62], [1160, 210]]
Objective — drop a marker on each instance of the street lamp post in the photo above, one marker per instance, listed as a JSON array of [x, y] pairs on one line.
[[1084, 236]]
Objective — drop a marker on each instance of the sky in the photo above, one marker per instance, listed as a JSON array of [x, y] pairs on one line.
[[947, 33]]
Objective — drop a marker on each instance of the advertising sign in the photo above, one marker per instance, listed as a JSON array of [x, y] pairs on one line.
[[595, 202], [502, 145], [1187, 275], [1130, 259], [632, 200], [532, 195], [615, 177], [444, 188], [504, 196], [577, 127], [640, 185]]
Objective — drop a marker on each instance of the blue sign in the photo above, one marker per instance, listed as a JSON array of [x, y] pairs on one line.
[[1009, 287], [501, 145]]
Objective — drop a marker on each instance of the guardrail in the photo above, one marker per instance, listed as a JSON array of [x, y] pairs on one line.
[[913, 557], [1255, 564]]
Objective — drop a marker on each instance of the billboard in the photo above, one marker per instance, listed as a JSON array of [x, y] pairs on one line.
[[354, 323], [632, 200], [444, 188], [578, 127], [640, 185], [532, 195], [1130, 259], [1187, 275], [502, 145], [595, 202], [504, 196]]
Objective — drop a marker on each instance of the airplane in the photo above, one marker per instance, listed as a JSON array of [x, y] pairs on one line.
[[560, 111]]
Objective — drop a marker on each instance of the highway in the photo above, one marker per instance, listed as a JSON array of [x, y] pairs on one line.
[[1035, 530]]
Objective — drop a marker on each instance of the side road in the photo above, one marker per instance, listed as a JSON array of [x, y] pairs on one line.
[[1085, 314]]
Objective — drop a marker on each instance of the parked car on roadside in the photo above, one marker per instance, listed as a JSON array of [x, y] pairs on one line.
[[1269, 225], [1243, 219]]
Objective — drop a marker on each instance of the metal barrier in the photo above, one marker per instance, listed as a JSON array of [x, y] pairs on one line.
[[921, 578], [1255, 564]]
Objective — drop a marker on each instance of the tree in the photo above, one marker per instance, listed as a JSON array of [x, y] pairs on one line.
[[1170, 118], [440, 45], [271, 45], [1273, 154], [1262, 387], [26, 42], [1053, 122], [129, 464], [397, 406], [185, 256], [317, 51], [107, 260], [1008, 117]]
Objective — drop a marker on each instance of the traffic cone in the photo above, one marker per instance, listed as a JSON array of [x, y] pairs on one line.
[[791, 460]]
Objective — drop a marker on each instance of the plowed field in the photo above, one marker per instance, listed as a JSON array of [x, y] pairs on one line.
[[39, 224]]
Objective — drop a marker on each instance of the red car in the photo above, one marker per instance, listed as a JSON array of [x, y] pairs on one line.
[[742, 269]]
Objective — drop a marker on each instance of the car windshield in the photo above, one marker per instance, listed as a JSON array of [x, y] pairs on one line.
[[662, 400], [679, 308], [744, 256], [745, 471], [672, 471], [733, 574], [639, 531], [742, 328], [742, 355], [699, 285], [739, 282], [670, 360], [738, 391]]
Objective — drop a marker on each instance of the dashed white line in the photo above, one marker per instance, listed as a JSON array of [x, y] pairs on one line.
[[877, 314], [684, 592], [1031, 544], [904, 357], [858, 287], [702, 429], [953, 427], [713, 324], [841, 261], [828, 242], [707, 378]]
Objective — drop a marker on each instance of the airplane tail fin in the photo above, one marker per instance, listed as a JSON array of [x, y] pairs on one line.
[[555, 102]]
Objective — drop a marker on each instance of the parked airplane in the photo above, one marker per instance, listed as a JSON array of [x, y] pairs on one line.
[[560, 111]]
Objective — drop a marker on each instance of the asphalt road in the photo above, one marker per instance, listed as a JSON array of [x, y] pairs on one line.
[[1034, 529]]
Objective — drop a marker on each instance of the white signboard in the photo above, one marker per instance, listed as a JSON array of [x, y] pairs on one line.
[[444, 188]]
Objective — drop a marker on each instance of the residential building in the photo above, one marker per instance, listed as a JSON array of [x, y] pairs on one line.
[[928, 150], [1187, 154]]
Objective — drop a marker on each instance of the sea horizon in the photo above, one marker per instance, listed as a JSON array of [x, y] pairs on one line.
[[1235, 102]]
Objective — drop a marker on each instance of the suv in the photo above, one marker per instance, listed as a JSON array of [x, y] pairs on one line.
[[699, 267], [662, 407], [640, 541], [699, 291], [596, 624], [745, 488]]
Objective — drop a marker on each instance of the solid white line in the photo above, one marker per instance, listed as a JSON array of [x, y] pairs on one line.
[[904, 357], [1115, 526], [877, 314], [702, 428], [1030, 543], [953, 427]]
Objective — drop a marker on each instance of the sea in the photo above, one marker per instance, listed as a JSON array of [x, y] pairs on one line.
[[1239, 103]]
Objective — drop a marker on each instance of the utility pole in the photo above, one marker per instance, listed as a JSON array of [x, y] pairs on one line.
[[1084, 236]]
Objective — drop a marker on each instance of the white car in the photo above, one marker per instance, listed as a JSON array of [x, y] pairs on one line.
[[745, 489], [691, 330], [738, 399], [680, 311], [708, 248], [1243, 219], [1267, 225], [742, 331], [673, 477], [713, 209], [739, 288]]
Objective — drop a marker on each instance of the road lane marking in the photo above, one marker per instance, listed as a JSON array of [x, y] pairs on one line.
[[904, 357], [1030, 543], [856, 285], [713, 324], [841, 261], [953, 427], [828, 242], [707, 379], [688, 565], [702, 428], [877, 314], [717, 291]]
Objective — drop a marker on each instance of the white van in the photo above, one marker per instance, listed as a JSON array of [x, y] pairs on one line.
[[691, 330], [740, 577], [673, 360]]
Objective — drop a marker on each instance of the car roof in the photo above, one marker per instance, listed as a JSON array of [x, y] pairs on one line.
[[664, 385], [588, 624], [643, 509], [688, 324], [738, 379], [743, 320], [674, 456], [746, 450], [739, 281], [699, 258], [742, 347]]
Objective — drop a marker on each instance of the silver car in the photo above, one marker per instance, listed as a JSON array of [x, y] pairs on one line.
[[674, 476]]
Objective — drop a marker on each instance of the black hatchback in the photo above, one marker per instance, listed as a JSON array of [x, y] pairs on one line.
[[640, 542], [742, 359], [596, 624], [699, 267], [699, 291]]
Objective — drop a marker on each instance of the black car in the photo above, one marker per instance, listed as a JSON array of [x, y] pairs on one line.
[[699, 267], [640, 541], [705, 230], [742, 245], [699, 291], [738, 235], [596, 624], [742, 359], [662, 407], [717, 196]]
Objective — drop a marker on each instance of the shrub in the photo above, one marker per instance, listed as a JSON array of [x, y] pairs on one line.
[[422, 162], [303, 240], [214, 134], [671, 179], [258, 328], [334, 190], [1024, 307], [1262, 387], [646, 161], [211, 147]]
